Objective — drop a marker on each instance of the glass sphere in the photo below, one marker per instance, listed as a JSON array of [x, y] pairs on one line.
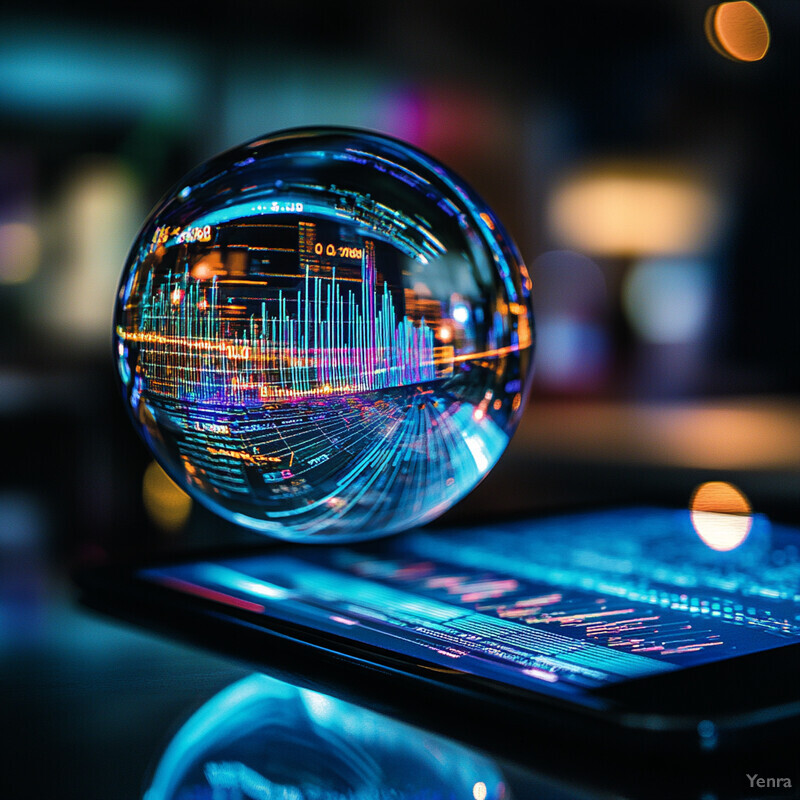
[[324, 334]]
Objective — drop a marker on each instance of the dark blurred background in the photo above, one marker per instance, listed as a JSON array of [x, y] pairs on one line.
[[648, 177], [643, 157]]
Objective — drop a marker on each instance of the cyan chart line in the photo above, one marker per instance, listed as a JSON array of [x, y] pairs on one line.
[[333, 345]]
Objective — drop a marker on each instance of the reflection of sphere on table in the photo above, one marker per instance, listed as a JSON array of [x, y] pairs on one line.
[[324, 332], [261, 738]]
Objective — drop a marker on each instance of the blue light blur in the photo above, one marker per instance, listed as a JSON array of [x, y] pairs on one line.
[[74, 71]]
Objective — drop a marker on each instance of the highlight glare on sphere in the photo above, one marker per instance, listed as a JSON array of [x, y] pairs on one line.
[[324, 335]]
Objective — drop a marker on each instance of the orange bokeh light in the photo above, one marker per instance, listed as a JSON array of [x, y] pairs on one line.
[[737, 31], [721, 515], [720, 497]]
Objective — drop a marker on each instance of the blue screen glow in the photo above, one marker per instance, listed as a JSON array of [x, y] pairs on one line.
[[561, 604]]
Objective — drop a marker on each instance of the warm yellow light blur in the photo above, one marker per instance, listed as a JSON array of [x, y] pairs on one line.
[[99, 213], [19, 252], [632, 209], [737, 31], [721, 515], [165, 502], [745, 434]]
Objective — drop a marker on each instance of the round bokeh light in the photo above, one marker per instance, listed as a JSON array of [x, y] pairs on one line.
[[324, 334]]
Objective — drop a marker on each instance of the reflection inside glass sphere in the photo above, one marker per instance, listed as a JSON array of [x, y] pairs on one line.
[[262, 739], [325, 333]]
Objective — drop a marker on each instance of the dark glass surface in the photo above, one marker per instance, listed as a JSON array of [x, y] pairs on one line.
[[103, 711]]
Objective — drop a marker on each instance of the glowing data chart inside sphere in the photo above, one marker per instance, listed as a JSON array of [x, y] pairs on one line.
[[325, 333]]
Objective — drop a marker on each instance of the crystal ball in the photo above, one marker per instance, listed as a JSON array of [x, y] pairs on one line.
[[324, 334]]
